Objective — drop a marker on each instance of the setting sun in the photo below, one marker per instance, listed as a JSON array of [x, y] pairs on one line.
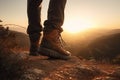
[[76, 26], [80, 15]]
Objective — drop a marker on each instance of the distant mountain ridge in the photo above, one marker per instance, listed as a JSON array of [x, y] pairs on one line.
[[106, 47]]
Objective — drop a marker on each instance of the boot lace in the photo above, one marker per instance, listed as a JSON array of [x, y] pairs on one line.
[[62, 42]]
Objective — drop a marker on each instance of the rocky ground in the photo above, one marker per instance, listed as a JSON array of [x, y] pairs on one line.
[[16, 64], [23, 67]]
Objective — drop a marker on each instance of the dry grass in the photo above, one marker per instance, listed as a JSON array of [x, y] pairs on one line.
[[12, 65]]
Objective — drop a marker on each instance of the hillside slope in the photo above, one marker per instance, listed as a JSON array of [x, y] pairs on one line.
[[16, 64], [13, 39], [106, 47]]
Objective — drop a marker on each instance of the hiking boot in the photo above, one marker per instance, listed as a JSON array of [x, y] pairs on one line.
[[34, 44], [51, 45]]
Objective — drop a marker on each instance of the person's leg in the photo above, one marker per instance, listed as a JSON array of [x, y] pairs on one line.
[[34, 24], [51, 44], [55, 16]]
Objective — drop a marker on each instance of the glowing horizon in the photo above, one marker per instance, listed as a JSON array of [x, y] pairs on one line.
[[80, 15]]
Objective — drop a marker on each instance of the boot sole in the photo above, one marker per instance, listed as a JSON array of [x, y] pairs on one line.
[[52, 54]]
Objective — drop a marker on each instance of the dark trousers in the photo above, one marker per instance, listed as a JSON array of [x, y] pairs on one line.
[[55, 16]]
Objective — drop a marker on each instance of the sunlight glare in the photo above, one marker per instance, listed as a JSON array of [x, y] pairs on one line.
[[76, 26]]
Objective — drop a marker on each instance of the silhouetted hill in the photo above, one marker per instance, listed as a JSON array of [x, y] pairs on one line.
[[114, 31], [13, 39], [106, 47]]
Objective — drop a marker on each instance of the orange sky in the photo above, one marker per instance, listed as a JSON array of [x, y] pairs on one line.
[[79, 14]]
